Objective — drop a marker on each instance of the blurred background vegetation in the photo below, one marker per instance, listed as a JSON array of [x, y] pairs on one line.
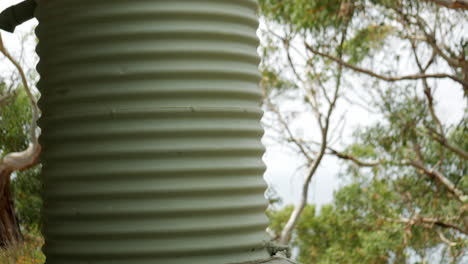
[[26, 184], [404, 177], [403, 197]]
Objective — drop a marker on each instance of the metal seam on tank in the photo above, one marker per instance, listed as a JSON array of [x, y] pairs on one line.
[[58, 100], [240, 130], [178, 113], [122, 135], [123, 67], [83, 79], [151, 55], [205, 89], [171, 75], [86, 93], [135, 112]]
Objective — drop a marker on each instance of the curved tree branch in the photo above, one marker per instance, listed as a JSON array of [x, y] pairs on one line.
[[11, 232], [324, 129], [443, 141], [383, 77], [452, 4], [358, 162], [418, 220], [459, 194], [22, 160]]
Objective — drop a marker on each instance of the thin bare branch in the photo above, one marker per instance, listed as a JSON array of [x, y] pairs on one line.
[[452, 4], [430, 101], [443, 141], [383, 77], [441, 223], [418, 220], [445, 240], [29, 157], [286, 127], [431, 40], [294, 218], [355, 160], [290, 61], [459, 194]]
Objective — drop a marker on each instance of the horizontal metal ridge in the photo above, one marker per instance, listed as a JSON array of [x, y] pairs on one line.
[[156, 112], [134, 195], [115, 249], [235, 255], [93, 135], [221, 9], [120, 55], [146, 35], [87, 232], [80, 170], [146, 16], [165, 86], [153, 208], [108, 76], [156, 186]]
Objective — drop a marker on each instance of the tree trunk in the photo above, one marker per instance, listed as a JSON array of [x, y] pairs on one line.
[[10, 233]]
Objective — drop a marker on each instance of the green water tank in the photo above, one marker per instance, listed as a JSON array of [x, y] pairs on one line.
[[151, 132]]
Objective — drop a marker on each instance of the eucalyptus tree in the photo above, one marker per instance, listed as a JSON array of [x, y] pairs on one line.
[[19, 147], [387, 57]]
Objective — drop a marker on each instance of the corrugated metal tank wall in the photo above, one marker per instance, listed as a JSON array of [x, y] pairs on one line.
[[151, 131]]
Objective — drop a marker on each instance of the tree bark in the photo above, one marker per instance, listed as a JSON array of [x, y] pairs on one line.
[[453, 4], [10, 232]]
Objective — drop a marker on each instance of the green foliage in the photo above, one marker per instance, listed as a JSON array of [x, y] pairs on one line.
[[14, 123], [308, 15], [364, 222], [336, 27], [27, 198], [358, 228], [270, 79], [368, 221], [365, 40], [29, 252]]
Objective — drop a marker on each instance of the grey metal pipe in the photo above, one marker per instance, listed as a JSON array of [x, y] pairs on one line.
[[17, 14]]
